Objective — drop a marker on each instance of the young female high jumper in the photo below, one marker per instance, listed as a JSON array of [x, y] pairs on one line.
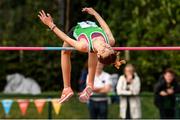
[[89, 38]]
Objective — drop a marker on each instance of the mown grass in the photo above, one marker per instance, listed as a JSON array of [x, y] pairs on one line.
[[73, 108]]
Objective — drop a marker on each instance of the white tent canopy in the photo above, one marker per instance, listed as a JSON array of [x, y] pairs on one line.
[[17, 83]]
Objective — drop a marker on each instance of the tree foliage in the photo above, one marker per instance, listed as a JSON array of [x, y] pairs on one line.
[[133, 23], [148, 23]]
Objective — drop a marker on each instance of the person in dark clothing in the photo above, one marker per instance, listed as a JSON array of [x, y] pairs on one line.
[[83, 77], [165, 90]]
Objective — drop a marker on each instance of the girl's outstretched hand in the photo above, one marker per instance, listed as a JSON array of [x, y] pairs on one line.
[[46, 18], [90, 10]]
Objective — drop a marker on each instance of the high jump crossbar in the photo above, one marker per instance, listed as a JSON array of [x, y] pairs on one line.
[[162, 48]]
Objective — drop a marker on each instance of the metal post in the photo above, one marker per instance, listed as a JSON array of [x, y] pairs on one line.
[[127, 55], [49, 109], [177, 107], [67, 15], [62, 13]]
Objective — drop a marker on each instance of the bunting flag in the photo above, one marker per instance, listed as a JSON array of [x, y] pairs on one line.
[[56, 106], [39, 103], [23, 105], [7, 105]]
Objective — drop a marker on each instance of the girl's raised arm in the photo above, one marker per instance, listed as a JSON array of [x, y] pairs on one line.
[[47, 20], [102, 23]]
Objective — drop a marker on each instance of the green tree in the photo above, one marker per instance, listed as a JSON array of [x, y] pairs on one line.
[[133, 23]]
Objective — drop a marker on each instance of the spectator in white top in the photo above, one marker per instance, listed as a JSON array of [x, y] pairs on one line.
[[98, 103], [129, 87]]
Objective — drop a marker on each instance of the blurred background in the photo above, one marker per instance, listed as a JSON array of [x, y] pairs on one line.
[[133, 23]]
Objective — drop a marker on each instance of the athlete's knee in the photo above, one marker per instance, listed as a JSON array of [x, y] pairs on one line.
[[65, 52]]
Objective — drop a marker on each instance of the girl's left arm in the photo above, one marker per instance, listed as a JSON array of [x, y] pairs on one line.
[[102, 23]]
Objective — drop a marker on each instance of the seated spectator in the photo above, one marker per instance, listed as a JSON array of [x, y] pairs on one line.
[[129, 87], [98, 103], [165, 90]]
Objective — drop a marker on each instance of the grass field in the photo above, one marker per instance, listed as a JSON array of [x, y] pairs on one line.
[[73, 108]]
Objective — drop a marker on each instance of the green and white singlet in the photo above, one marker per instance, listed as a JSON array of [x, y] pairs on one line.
[[88, 30]]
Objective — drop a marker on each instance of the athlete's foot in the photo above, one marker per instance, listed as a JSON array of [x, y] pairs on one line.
[[66, 94], [85, 95]]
